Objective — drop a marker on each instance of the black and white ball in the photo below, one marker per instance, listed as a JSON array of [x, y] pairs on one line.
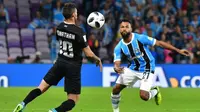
[[96, 20]]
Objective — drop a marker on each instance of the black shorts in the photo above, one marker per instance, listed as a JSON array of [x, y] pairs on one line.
[[71, 73]]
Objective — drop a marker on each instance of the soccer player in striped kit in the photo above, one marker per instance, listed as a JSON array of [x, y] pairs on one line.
[[142, 64]]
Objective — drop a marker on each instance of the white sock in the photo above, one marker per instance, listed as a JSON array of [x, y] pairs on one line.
[[152, 93], [115, 100]]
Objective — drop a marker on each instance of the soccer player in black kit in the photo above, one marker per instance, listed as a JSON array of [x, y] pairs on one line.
[[68, 65]]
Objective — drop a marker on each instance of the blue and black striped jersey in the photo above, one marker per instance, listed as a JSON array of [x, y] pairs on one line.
[[137, 52]]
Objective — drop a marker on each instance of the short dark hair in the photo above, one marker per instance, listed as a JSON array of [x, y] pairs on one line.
[[125, 20], [68, 10]]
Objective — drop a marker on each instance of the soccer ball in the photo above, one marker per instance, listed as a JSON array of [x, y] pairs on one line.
[[96, 20]]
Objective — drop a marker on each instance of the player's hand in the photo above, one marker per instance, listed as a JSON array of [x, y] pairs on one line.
[[119, 70], [184, 52], [99, 63]]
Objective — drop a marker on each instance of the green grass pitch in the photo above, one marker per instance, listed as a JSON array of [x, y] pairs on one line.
[[96, 99]]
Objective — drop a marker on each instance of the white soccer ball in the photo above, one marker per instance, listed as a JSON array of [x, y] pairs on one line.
[[96, 20]]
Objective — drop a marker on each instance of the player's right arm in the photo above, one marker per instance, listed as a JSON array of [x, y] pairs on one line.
[[117, 59]]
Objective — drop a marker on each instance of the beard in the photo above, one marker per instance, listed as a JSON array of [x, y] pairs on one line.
[[125, 35]]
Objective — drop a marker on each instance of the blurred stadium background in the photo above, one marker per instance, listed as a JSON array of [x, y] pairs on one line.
[[28, 48]]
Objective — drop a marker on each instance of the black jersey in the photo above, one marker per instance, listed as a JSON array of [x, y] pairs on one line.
[[72, 40]]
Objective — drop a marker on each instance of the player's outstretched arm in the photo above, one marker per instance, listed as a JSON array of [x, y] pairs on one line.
[[171, 47], [88, 52]]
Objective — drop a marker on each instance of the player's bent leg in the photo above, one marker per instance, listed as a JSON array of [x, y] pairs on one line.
[[32, 95], [146, 93], [115, 96], [36, 92]]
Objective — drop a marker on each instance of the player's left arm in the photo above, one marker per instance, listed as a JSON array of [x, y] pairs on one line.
[[171, 47]]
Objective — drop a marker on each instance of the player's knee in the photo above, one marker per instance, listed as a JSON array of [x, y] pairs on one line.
[[43, 89], [144, 95], [117, 89], [43, 86]]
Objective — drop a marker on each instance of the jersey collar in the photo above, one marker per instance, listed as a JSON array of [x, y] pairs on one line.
[[67, 22]]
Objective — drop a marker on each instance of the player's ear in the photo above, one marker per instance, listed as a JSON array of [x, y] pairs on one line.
[[73, 14]]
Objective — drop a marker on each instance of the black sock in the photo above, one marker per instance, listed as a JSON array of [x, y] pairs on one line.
[[32, 95], [66, 106]]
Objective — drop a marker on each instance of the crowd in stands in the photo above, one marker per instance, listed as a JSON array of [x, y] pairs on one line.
[[174, 21]]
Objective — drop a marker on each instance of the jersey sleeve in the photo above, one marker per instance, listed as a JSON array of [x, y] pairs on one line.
[[117, 53], [146, 40], [83, 41]]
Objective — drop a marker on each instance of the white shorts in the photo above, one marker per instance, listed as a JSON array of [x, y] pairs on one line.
[[130, 77]]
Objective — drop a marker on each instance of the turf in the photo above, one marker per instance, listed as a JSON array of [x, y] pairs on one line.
[[98, 100]]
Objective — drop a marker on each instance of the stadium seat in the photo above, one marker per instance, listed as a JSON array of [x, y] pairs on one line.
[[44, 50], [3, 44], [28, 44], [25, 18], [23, 3], [3, 61], [26, 32], [3, 50], [12, 11], [40, 31], [27, 38], [13, 44], [13, 19], [14, 50], [2, 38], [2, 32], [23, 24], [13, 25], [41, 38], [13, 31], [23, 11], [10, 3], [42, 44], [12, 37], [3, 57], [29, 50]]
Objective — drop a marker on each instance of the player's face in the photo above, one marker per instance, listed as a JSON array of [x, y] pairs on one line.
[[125, 29]]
